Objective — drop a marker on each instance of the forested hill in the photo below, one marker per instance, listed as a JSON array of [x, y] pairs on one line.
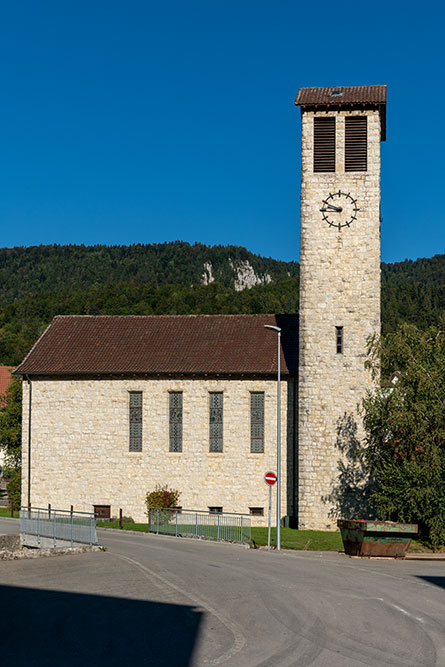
[[26, 271], [413, 291], [38, 283]]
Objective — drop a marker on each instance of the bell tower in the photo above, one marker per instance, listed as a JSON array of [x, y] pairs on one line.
[[339, 280]]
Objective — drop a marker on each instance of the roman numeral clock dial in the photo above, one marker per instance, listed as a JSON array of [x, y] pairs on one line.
[[339, 209]]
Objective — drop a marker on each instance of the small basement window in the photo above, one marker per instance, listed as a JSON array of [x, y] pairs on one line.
[[256, 511], [102, 511], [339, 339], [215, 510]]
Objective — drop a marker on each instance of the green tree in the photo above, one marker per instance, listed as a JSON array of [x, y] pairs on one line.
[[11, 426], [404, 421], [14, 490]]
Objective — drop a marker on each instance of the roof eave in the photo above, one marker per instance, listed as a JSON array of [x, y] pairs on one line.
[[153, 374], [381, 106]]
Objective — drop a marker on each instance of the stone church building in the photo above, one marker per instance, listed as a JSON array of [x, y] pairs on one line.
[[115, 405]]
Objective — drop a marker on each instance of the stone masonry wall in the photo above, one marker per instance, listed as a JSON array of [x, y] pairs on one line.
[[80, 443], [339, 286]]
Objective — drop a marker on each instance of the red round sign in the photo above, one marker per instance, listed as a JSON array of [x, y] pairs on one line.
[[270, 478]]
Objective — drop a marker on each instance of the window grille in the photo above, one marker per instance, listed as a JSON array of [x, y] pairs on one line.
[[324, 144], [356, 143], [339, 339], [216, 421], [175, 418], [257, 422], [256, 511], [135, 421], [215, 510]]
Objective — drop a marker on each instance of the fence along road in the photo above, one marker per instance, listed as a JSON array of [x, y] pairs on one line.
[[47, 527], [219, 526]]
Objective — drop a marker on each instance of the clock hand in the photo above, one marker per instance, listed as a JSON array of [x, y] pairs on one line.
[[334, 208]]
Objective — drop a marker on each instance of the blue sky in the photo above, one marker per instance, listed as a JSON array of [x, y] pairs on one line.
[[144, 122]]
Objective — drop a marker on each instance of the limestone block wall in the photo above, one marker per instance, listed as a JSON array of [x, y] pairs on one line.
[[80, 445], [339, 286]]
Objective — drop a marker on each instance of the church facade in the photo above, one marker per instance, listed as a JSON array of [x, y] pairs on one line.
[[114, 406], [120, 405]]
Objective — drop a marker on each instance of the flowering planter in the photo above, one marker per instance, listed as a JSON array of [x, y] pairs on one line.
[[376, 538]]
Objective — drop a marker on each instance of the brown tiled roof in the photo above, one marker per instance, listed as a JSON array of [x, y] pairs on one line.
[[5, 379], [349, 95], [164, 345]]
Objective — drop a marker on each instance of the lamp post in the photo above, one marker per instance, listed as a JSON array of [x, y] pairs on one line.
[[278, 330]]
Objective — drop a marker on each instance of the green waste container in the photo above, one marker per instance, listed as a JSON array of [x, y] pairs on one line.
[[376, 538]]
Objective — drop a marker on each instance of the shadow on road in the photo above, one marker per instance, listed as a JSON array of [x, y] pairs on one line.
[[47, 628], [437, 581]]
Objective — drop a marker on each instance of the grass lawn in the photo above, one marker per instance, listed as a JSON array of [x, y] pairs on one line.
[[5, 511], [141, 527], [420, 545], [308, 540]]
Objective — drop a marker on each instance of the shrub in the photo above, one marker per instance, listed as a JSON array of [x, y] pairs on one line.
[[162, 497], [14, 489]]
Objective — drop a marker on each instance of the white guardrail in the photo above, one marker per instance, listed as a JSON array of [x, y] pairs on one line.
[[47, 527], [220, 526]]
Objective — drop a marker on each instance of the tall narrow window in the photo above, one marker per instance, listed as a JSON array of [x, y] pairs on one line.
[[324, 144], [257, 422], [356, 143], [175, 418], [135, 421], [216, 421], [339, 339]]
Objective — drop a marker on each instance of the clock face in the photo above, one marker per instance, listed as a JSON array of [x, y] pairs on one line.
[[339, 209]]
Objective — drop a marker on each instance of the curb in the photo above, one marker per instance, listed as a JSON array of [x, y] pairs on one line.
[[425, 556], [124, 530]]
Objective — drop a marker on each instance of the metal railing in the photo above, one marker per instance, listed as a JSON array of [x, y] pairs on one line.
[[43, 527], [219, 526]]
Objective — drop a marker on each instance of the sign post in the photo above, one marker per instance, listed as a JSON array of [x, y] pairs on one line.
[[270, 478]]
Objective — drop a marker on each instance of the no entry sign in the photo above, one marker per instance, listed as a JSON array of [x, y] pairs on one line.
[[270, 478]]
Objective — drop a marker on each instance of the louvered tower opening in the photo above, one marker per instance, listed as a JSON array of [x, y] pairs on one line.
[[356, 143], [324, 144]]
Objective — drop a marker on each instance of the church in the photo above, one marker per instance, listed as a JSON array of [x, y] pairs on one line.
[[115, 405]]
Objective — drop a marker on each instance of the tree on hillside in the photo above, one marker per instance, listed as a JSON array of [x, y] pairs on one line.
[[11, 426], [405, 429]]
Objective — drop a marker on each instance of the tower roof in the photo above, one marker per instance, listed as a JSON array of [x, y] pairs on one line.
[[346, 97], [339, 96]]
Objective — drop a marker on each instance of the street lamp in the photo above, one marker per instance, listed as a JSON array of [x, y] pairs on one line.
[[278, 330]]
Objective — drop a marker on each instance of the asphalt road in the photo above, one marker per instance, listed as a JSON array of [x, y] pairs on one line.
[[152, 600]]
